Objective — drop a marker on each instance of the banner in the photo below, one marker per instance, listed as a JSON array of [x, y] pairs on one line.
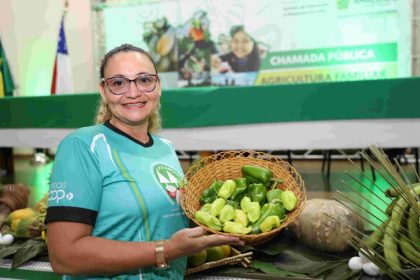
[[6, 81], [245, 42], [62, 81]]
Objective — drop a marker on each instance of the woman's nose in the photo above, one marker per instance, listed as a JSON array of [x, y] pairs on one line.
[[133, 91]]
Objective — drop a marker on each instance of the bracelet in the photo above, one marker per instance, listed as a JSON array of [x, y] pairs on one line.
[[160, 254]]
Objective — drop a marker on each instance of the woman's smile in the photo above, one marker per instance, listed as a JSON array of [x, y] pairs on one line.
[[134, 105]]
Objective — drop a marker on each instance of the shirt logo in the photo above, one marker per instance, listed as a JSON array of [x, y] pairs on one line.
[[58, 192], [168, 178]]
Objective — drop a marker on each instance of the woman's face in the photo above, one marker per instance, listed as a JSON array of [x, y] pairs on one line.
[[134, 107], [241, 44]]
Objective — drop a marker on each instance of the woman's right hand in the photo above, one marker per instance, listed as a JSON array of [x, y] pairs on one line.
[[189, 241]]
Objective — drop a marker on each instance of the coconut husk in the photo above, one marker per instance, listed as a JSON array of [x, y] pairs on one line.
[[14, 196]]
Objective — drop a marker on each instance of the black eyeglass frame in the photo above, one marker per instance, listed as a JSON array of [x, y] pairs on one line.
[[105, 82]]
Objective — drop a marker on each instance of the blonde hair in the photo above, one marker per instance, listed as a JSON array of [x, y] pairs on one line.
[[103, 113]]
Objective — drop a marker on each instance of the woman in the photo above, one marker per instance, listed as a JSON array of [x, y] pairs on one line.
[[111, 211], [243, 57]]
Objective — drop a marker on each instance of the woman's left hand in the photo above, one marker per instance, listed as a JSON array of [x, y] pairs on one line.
[[189, 241]]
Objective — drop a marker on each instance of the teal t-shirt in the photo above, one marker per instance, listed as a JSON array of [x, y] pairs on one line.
[[125, 189]]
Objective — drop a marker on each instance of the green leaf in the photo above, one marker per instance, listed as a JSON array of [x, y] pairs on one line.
[[275, 246], [270, 268], [7, 250], [327, 268], [28, 251], [341, 272], [292, 260]]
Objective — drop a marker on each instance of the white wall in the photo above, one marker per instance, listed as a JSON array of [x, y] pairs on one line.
[[29, 32]]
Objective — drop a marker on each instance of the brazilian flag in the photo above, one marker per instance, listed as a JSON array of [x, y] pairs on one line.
[[6, 81]]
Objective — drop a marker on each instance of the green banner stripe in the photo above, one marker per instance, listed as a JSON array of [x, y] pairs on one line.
[[213, 106], [331, 56]]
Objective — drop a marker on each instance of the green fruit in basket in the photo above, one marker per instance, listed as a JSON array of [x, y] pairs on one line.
[[236, 228], [206, 208], [227, 189], [217, 206], [254, 211], [245, 202], [215, 253], [257, 174], [227, 213], [269, 209], [289, 200], [241, 217], [208, 220], [269, 223], [198, 258]]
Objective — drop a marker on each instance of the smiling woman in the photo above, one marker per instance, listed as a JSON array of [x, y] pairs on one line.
[[119, 216], [130, 103]]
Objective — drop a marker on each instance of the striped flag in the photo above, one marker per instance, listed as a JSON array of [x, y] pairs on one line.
[[62, 81], [6, 81]]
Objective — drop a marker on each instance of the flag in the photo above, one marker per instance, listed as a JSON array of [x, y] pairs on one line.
[[6, 80], [62, 81]]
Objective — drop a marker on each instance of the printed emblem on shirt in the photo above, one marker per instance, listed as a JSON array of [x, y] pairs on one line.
[[168, 178], [58, 192]]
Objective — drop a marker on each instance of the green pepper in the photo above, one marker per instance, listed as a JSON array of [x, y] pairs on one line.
[[245, 202], [237, 228], [274, 195], [272, 184], [232, 203], [269, 223], [241, 188], [227, 189], [210, 194], [257, 193], [206, 208], [227, 213], [289, 200], [254, 212], [217, 206], [257, 174], [279, 210], [241, 217], [269, 209], [208, 220]]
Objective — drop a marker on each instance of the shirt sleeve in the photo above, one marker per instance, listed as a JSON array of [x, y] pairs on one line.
[[76, 184]]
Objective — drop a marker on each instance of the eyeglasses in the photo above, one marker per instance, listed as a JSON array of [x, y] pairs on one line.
[[119, 85]]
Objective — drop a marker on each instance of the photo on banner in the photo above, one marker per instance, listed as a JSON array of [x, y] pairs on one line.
[[245, 42]]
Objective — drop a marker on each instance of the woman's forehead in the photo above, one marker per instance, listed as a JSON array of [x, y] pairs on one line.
[[130, 62]]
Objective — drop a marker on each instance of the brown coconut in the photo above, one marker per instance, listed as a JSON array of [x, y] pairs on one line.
[[319, 231]]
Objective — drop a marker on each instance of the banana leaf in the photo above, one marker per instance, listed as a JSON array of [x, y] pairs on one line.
[[8, 250], [270, 268], [341, 272], [28, 250], [284, 255]]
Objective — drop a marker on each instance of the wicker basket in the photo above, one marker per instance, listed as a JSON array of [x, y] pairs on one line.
[[227, 165]]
